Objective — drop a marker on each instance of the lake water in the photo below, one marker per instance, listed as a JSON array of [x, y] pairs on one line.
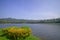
[[44, 31]]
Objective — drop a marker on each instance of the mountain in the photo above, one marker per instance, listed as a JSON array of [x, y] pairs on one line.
[[13, 20]]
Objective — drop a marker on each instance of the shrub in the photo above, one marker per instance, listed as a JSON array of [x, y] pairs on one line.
[[14, 33]]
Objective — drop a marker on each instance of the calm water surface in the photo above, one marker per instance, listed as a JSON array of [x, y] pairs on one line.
[[44, 31]]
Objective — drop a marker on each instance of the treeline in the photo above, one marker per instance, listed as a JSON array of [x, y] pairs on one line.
[[51, 21], [10, 20]]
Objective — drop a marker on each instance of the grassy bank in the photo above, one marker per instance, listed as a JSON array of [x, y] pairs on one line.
[[26, 33]]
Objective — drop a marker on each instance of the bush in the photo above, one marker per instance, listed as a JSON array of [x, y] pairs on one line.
[[16, 33]]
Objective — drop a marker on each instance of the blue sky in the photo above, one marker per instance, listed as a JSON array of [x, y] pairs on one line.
[[30, 9]]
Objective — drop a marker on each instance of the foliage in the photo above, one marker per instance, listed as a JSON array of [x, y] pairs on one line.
[[11, 20], [16, 33]]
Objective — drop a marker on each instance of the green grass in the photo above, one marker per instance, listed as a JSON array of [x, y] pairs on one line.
[[31, 37], [28, 38]]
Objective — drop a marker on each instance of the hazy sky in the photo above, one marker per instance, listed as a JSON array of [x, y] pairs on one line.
[[30, 9]]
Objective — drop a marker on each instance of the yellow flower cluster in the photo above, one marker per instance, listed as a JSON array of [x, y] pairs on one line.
[[18, 32]]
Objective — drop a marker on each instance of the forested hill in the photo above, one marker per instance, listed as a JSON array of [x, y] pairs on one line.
[[12, 20]]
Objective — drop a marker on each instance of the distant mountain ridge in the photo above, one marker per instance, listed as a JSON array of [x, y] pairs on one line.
[[13, 20]]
